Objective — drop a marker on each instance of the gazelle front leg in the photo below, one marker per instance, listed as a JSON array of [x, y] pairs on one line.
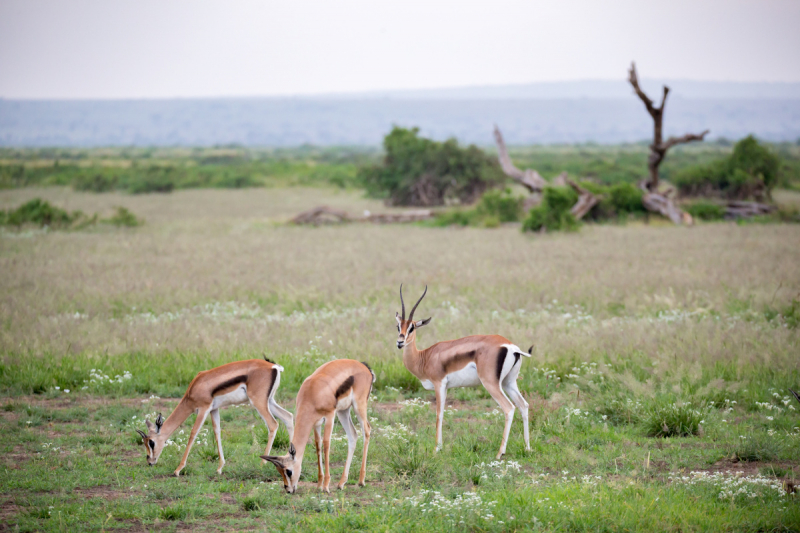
[[318, 447], [441, 398], [326, 445], [215, 424], [201, 418]]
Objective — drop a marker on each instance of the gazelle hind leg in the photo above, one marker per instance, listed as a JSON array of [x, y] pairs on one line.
[[508, 410], [352, 439], [516, 397], [215, 424], [201, 418], [269, 420], [366, 429], [283, 415]]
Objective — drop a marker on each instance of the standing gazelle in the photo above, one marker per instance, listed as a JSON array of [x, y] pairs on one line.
[[488, 360], [253, 381], [333, 388]]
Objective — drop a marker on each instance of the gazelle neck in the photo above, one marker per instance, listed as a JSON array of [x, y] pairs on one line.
[[412, 358], [175, 419], [302, 432]]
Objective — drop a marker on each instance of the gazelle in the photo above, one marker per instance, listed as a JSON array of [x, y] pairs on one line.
[[334, 387], [488, 360], [253, 381]]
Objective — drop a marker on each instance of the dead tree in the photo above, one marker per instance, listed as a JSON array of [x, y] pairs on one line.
[[653, 200], [328, 215], [586, 200]]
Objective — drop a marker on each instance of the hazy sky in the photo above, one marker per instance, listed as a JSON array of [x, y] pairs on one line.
[[153, 49]]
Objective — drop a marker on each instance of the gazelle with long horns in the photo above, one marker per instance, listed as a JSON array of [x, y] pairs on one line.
[[254, 381], [488, 360], [334, 388]]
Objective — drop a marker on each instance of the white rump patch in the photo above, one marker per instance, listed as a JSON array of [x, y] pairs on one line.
[[513, 348], [279, 368]]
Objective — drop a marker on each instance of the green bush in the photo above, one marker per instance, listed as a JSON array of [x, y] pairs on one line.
[[751, 171], [553, 213], [154, 180], [705, 210], [41, 213], [123, 217], [626, 198], [502, 205], [95, 182], [419, 171]]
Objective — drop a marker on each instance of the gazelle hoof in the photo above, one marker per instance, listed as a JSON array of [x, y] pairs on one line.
[[362, 483], [340, 486], [177, 473]]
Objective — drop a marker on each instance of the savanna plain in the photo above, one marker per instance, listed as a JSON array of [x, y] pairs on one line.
[[658, 382]]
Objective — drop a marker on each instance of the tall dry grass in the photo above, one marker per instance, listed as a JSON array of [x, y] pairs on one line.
[[213, 272]]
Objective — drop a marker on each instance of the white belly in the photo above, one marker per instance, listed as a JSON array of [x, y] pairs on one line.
[[466, 377], [345, 402], [235, 397], [427, 384]]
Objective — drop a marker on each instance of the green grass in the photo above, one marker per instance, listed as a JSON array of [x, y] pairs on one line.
[[635, 328]]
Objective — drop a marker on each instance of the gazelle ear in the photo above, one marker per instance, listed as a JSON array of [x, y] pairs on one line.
[[274, 460], [292, 450], [424, 322], [159, 423], [141, 433], [150, 426], [397, 316]]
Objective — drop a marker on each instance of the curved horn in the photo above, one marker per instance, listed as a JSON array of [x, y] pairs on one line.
[[402, 302], [142, 433], [411, 316]]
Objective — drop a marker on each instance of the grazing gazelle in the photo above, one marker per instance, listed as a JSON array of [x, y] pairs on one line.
[[488, 360], [334, 387], [253, 381]]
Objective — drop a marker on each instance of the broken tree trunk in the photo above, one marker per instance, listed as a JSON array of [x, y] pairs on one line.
[[659, 147], [664, 204], [328, 215], [586, 200], [528, 178]]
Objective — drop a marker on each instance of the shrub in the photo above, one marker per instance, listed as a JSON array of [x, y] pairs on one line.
[[752, 170], [705, 210], [419, 171], [41, 213], [123, 217], [672, 420], [95, 182], [554, 212], [154, 180], [502, 205], [626, 198]]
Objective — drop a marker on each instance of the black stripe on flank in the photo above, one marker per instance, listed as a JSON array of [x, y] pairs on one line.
[[344, 387], [231, 382], [501, 359], [272, 385]]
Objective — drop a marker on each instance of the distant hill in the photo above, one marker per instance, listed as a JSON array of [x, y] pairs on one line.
[[542, 113]]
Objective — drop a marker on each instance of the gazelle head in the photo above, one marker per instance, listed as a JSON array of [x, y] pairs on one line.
[[407, 329], [153, 441], [288, 467]]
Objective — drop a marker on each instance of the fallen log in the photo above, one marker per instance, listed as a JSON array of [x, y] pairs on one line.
[[328, 215], [737, 209], [528, 178]]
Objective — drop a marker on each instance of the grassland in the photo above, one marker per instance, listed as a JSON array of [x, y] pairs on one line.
[[636, 328]]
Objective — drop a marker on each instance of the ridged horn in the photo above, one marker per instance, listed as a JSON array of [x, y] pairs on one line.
[[402, 302], [411, 316]]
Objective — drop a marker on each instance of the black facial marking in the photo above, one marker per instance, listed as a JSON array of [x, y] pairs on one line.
[[501, 359], [227, 384], [289, 474], [345, 386], [274, 379], [152, 444]]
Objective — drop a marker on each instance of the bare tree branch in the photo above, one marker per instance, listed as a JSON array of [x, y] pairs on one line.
[[529, 178], [634, 80], [689, 137]]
